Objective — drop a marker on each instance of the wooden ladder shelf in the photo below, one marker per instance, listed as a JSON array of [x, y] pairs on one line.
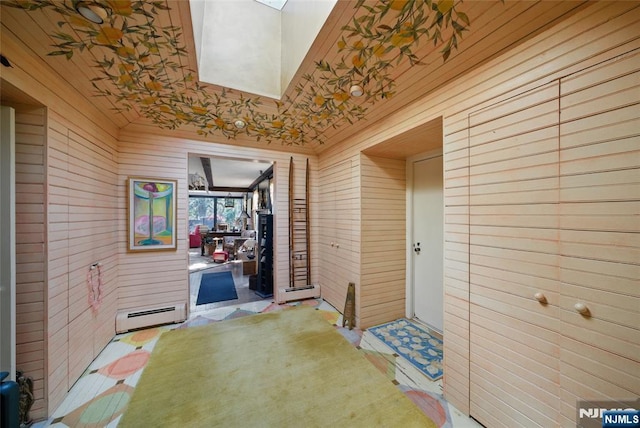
[[300, 286]]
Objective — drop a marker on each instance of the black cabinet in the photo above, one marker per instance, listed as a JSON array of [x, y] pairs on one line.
[[265, 259]]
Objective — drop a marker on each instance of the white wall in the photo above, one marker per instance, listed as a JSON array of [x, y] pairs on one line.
[[301, 22], [246, 34], [265, 46]]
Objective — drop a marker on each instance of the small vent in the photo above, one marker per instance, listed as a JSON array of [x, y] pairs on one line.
[[141, 318], [150, 312], [292, 289], [298, 293]]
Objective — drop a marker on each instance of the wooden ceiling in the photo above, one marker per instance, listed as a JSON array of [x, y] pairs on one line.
[[140, 64], [423, 138]]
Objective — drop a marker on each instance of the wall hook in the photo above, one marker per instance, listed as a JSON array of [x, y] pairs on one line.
[[5, 61]]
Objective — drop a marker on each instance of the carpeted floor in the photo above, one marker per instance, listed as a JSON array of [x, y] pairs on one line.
[[101, 395], [248, 371]]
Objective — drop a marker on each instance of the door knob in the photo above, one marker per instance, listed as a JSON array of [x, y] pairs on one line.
[[540, 298], [582, 309]]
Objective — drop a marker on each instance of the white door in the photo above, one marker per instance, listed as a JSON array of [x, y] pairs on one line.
[[428, 241]]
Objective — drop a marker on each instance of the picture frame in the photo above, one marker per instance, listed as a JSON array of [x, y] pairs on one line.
[[151, 214]]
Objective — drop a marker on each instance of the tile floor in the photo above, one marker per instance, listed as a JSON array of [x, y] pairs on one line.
[[199, 265], [198, 262], [100, 396]]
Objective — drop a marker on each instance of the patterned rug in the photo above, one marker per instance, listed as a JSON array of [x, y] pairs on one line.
[[412, 342]]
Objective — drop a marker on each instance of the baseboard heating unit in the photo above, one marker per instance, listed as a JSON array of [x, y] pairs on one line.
[[289, 294], [138, 318]]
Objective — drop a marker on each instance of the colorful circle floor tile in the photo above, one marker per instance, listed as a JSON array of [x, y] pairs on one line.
[[101, 410]]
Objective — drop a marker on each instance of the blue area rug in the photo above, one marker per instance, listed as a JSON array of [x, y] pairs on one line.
[[415, 344], [216, 287]]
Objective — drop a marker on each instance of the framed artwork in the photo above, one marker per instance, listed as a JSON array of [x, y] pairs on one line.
[[151, 214]]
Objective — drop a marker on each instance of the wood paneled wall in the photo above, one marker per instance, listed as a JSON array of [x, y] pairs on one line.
[[75, 183], [82, 200], [456, 261], [160, 278], [31, 328], [594, 34], [554, 176], [513, 203], [339, 225], [154, 278], [383, 244], [599, 194], [64, 216]]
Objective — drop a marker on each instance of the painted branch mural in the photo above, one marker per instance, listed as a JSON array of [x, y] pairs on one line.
[[141, 69]]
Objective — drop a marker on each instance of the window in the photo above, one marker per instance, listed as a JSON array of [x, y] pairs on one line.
[[211, 211]]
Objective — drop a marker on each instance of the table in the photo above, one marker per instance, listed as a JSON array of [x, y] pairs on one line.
[[213, 234], [249, 266]]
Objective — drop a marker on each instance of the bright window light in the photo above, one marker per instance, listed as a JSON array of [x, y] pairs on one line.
[[276, 4]]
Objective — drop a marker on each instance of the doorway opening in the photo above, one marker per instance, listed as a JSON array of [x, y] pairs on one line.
[[415, 145], [226, 198], [23, 232], [407, 170]]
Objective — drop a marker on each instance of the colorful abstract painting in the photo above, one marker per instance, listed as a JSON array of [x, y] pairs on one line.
[[152, 214]]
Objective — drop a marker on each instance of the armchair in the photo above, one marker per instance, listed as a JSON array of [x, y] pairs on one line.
[[228, 245], [249, 234], [195, 240]]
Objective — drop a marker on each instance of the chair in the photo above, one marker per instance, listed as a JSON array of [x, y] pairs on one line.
[[195, 240], [248, 248], [237, 243], [202, 230], [219, 254], [228, 245], [249, 234]]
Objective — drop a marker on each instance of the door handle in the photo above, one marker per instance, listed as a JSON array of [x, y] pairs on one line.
[[416, 248]]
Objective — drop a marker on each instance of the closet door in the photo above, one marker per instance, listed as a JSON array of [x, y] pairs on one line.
[[337, 201], [599, 234], [514, 337]]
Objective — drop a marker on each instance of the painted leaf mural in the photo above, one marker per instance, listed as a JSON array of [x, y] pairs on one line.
[[141, 70]]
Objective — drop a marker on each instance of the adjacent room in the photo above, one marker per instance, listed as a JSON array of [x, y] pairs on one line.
[[363, 213], [226, 199]]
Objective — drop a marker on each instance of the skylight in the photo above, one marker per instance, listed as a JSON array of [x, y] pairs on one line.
[[276, 4], [260, 52]]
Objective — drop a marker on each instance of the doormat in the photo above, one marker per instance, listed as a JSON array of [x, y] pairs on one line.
[[216, 287], [415, 344]]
